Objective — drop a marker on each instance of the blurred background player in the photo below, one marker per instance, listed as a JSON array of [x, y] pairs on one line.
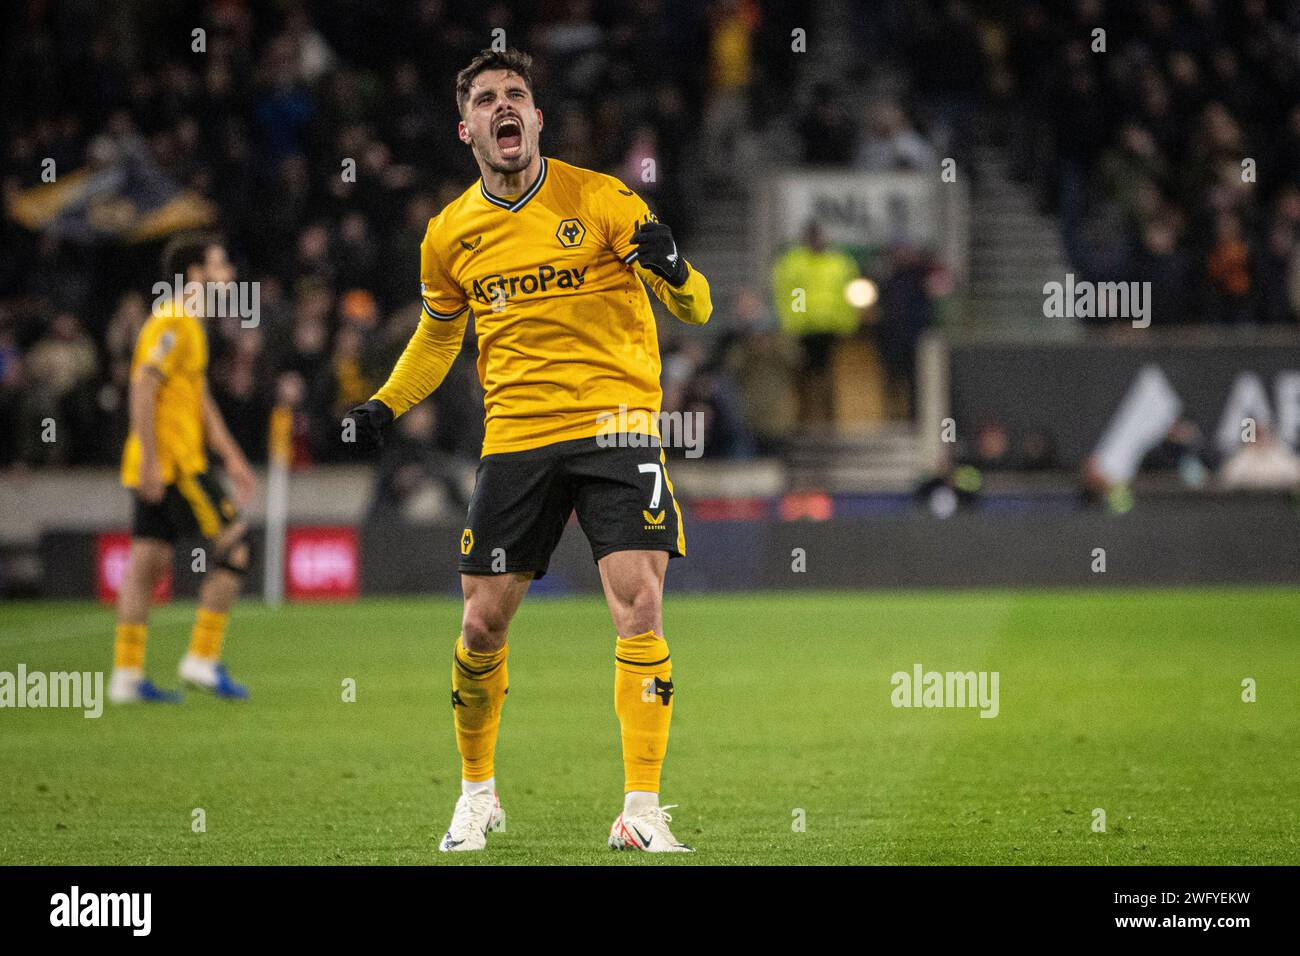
[[552, 258], [175, 495]]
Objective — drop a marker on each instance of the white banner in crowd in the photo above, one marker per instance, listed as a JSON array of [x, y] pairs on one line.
[[862, 209]]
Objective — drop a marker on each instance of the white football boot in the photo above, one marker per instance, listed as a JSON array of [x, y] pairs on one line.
[[128, 685], [210, 675], [647, 830], [476, 814]]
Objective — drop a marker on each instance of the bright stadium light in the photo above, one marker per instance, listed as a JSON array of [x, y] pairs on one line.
[[861, 293]]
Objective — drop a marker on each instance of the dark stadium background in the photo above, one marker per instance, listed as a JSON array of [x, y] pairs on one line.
[[922, 472], [1123, 165]]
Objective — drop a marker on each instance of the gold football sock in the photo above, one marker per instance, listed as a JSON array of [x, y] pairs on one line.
[[479, 683], [208, 634], [643, 700], [128, 645]]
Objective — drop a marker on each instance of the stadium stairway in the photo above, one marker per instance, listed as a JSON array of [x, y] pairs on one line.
[[884, 457], [720, 248], [1015, 249]]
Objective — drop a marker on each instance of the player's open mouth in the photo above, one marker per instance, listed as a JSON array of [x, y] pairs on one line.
[[510, 136]]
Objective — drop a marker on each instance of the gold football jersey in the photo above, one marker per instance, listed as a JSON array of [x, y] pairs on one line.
[[566, 334], [173, 344]]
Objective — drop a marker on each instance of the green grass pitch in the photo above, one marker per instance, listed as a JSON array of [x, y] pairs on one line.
[[1127, 701]]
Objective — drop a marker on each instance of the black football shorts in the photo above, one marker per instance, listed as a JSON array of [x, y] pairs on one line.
[[522, 501], [193, 506]]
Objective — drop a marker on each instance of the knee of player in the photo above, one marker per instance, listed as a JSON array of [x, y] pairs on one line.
[[237, 557], [641, 609], [484, 628], [156, 560], [232, 551]]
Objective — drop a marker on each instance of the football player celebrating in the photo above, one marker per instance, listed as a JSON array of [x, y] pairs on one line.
[[173, 420], [553, 260]]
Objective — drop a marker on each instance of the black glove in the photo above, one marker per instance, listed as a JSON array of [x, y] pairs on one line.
[[370, 418], [657, 251]]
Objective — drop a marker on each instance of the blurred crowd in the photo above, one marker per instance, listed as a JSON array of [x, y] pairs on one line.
[[256, 110], [1138, 150], [260, 116], [1171, 153]]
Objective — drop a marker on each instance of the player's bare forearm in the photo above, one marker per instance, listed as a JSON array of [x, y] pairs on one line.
[[143, 402], [218, 435], [691, 302], [223, 443], [144, 408], [423, 364]]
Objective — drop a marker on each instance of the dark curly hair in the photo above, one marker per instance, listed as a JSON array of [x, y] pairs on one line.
[[516, 61]]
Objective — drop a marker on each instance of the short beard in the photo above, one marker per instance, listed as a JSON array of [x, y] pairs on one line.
[[506, 167]]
